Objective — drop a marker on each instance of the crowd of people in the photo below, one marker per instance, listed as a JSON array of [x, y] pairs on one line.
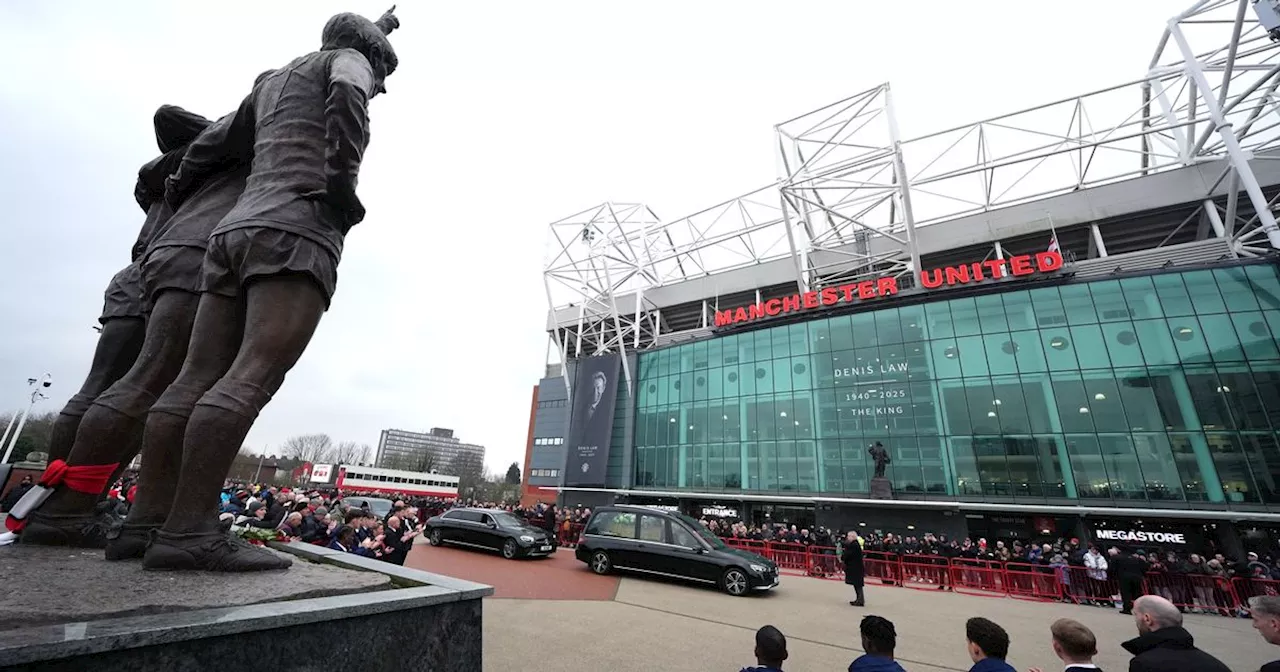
[[1162, 644], [1096, 568]]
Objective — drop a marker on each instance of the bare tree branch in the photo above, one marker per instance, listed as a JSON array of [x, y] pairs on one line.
[[313, 448]]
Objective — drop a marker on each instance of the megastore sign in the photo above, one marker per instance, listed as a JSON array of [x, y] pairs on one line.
[[1140, 536], [947, 276]]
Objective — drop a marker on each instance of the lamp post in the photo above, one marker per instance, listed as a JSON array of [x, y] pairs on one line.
[[37, 394]]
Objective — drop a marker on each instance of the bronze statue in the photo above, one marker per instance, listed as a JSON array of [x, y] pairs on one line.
[[881, 456], [269, 274], [124, 320]]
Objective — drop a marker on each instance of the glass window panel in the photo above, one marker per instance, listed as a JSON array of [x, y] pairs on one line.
[[1017, 308], [1122, 344], [779, 342], [1266, 283], [938, 315], [1192, 478], [1038, 397], [1027, 351], [685, 353], [781, 374], [1047, 304], [923, 408], [983, 417], [1173, 296], [964, 317], [1255, 336], [1059, 350], [856, 471], [1138, 394], [991, 315], [1235, 386], [946, 358], [1023, 460], [788, 475], [1102, 398], [1088, 467], [820, 336], [1159, 471], [763, 341], [1122, 466], [912, 321], [1173, 400], [701, 392], [955, 409], [802, 373], [833, 477], [966, 465], [798, 336], [1000, 354], [1266, 378], [1233, 469], [1156, 342], [1188, 340], [715, 382], [993, 469], [1203, 290], [1078, 302], [973, 356], [888, 328], [1140, 296], [1263, 453], [1108, 299], [864, 330], [1090, 347], [1009, 405], [806, 466], [715, 352], [1237, 291], [935, 479], [841, 333], [1208, 398], [1073, 407], [1273, 321]]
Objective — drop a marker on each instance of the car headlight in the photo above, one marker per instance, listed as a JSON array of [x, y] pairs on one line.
[[759, 569], [526, 539]]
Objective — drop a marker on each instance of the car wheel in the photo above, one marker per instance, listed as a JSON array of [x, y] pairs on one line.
[[436, 538], [600, 563], [509, 549], [735, 582]]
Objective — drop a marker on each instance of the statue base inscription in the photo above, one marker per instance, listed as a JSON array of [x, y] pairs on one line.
[[881, 488]]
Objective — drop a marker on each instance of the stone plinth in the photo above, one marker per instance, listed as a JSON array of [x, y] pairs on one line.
[[881, 488], [67, 609]]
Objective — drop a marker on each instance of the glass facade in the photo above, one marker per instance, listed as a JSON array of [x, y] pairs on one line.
[[1135, 391]]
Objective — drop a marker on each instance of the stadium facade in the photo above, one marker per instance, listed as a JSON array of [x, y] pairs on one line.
[[1059, 322]]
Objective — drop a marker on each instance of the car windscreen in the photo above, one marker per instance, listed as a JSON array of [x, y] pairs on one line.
[[507, 520], [379, 507], [702, 531]]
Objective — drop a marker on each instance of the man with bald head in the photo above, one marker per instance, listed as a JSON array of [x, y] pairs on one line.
[[1163, 645]]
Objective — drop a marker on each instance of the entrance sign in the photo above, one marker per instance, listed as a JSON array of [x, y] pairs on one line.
[[1132, 535], [948, 276]]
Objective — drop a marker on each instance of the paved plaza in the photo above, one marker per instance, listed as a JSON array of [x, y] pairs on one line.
[[556, 608]]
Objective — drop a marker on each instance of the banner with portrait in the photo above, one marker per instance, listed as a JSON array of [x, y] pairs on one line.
[[595, 392]]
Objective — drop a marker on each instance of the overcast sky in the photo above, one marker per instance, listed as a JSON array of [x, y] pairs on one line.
[[502, 117]]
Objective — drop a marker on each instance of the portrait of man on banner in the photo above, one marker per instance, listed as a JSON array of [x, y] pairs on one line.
[[594, 395]]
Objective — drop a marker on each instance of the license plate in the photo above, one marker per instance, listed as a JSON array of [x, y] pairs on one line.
[[545, 548]]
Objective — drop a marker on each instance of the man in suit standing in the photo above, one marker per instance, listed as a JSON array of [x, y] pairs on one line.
[[1074, 644], [853, 576]]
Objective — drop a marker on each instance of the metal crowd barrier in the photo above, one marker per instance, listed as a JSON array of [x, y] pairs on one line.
[[1017, 580]]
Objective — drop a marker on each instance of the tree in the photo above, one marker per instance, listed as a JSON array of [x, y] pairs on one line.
[[35, 435], [350, 452], [313, 448], [468, 466], [425, 462], [513, 474]]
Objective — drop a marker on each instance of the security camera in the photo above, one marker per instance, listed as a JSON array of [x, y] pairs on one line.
[[48, 382], [31, 381]]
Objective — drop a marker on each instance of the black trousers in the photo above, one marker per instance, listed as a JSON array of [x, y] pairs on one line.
[[1130, 590], [857, 591]]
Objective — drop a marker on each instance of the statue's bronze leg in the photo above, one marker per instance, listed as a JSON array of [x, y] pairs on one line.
[[215, 338], [117, 350], [280, 318], [111, 429]]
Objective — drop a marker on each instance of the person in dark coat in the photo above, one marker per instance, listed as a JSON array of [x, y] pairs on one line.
[[852, 558], [1128, 570], [1163, 645], [549, 519]]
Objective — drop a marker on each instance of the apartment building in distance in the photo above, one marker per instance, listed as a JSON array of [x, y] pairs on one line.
[[401, 449]]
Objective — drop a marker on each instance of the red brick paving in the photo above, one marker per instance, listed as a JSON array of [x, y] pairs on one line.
[[558, 577]]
